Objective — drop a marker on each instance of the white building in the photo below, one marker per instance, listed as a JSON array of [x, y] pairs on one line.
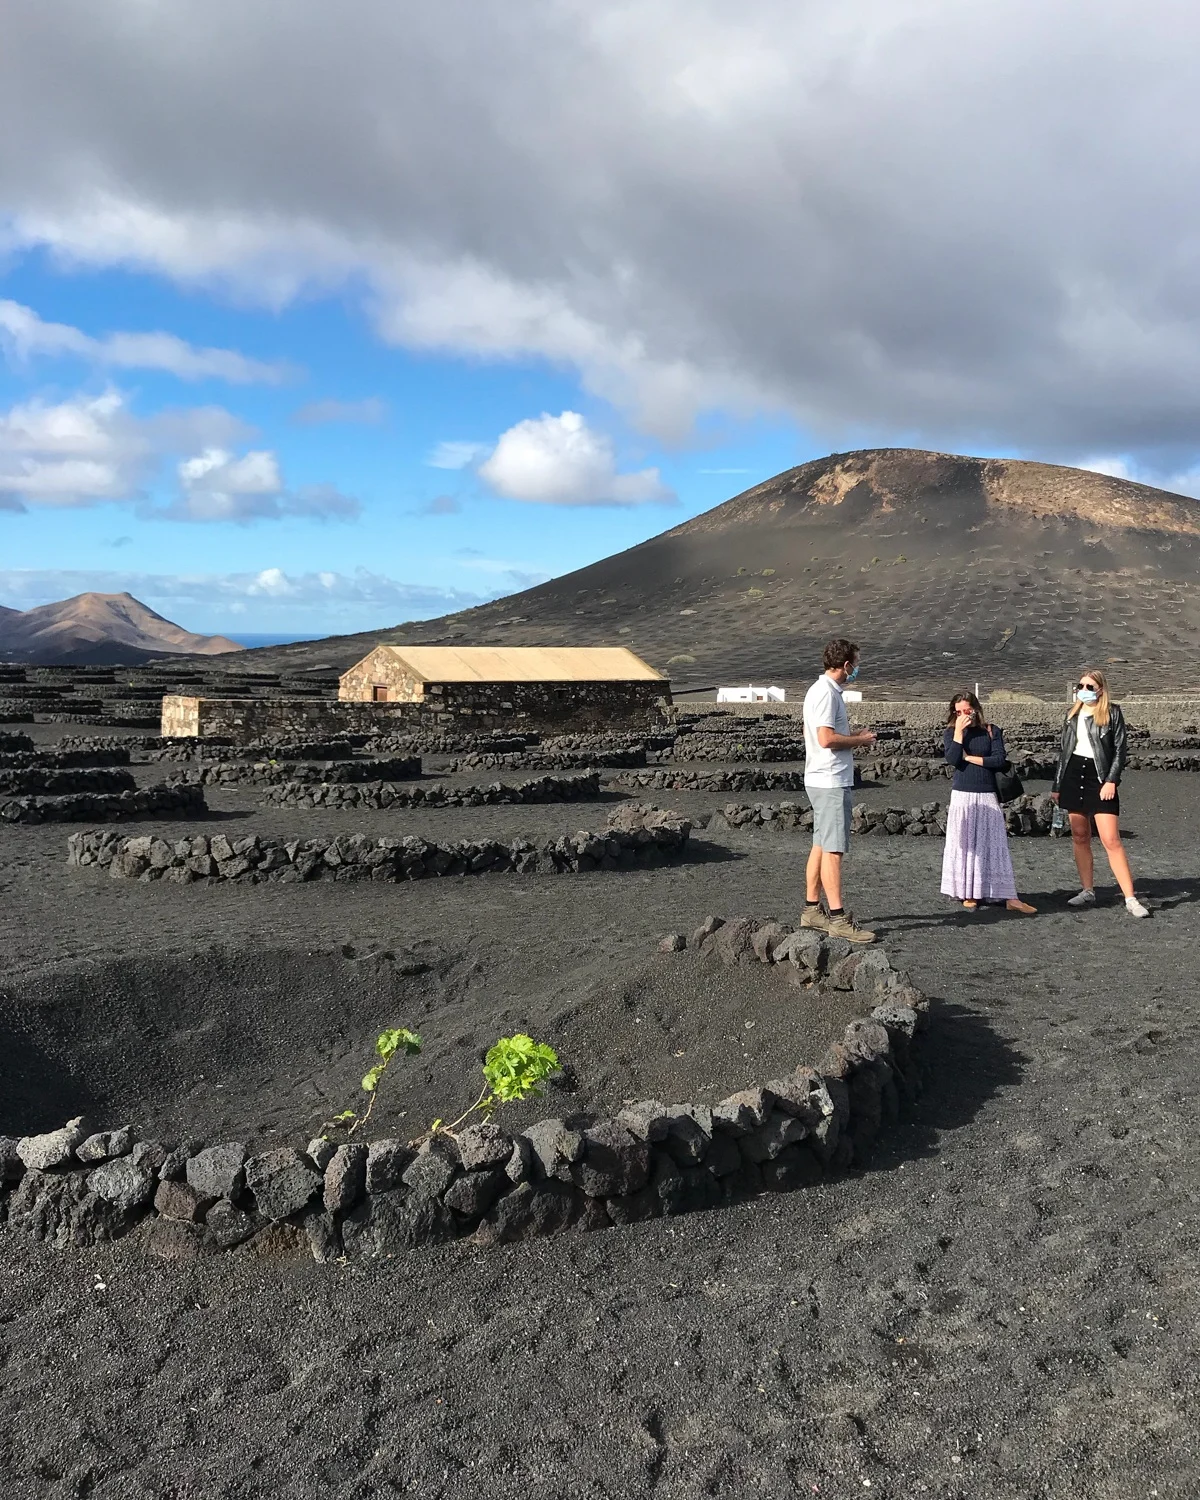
[[751, 694]]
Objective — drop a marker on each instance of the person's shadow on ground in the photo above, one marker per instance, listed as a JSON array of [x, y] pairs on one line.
[[1162, 895]]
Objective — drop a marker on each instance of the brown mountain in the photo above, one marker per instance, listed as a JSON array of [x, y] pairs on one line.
[[945, 569], [99, 629]]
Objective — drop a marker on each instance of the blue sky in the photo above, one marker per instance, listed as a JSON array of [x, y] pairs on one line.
[[325, 323], [400, 435]]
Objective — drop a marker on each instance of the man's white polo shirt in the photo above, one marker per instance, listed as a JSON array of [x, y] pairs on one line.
[[825, 707]]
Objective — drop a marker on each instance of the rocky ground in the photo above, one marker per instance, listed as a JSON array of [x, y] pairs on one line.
[[1002, 1306]]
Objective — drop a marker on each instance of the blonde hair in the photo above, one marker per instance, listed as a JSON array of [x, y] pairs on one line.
[[1101, 705]]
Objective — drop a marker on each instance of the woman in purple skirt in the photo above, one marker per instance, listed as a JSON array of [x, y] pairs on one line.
[[976, 865]]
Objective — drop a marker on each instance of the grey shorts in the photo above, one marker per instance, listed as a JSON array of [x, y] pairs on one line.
[[831, 807]]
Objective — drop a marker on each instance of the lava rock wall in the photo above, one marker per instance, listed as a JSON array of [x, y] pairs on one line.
[[77, 1186], [383, 794], [274, 773], [106, 807], [256, 857]]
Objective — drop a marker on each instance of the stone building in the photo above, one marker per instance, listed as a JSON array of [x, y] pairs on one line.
[[584, 686], [404, 689]]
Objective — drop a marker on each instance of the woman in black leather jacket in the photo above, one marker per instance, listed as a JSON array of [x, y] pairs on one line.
[[1091, 757]]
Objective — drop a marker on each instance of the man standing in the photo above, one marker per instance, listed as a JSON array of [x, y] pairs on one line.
[[828, 779]]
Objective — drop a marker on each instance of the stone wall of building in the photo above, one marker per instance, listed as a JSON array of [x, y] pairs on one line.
[[382, 670], [242, 720], [473, 707]]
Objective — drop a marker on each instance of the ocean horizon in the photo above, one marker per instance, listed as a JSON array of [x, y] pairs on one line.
[[252, 641]]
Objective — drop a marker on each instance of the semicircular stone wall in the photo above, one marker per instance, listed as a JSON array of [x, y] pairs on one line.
[[79, 1185]]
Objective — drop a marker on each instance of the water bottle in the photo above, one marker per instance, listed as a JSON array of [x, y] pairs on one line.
[[1058, 822]]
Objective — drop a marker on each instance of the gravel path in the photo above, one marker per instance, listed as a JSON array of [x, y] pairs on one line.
[[1002, 1306]]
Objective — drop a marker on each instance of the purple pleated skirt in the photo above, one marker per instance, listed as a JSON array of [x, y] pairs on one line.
[[976, 865]]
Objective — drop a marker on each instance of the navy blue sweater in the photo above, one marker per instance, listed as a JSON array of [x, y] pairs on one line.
[[975, 742]]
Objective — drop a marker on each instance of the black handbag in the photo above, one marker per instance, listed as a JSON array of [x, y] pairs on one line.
[[1009, 785]]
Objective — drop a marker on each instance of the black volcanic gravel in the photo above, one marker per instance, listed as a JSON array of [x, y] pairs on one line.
[[1004, 1305]]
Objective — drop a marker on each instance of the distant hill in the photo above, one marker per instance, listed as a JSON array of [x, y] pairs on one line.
[[99, 629], [945, 569]]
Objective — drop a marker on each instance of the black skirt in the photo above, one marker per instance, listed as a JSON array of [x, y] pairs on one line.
[[1080, 789]]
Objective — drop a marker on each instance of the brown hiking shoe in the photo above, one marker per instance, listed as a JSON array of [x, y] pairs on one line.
[[814, 916], [844, 927]]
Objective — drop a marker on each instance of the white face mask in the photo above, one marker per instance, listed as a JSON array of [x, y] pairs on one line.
[[1087, 695]]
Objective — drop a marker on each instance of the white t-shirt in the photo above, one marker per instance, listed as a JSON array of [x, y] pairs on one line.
[[824, 707], [1083, 743]]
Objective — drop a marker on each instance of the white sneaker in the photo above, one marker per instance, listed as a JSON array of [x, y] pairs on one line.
[[1084, 898], [1135, 908]]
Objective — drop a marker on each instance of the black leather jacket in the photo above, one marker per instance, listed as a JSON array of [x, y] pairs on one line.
[[1109, 744]]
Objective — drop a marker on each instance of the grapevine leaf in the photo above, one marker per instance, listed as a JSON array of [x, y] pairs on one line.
[[516, 1066]]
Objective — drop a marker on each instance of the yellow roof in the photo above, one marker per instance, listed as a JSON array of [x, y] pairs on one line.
[[524, 664]]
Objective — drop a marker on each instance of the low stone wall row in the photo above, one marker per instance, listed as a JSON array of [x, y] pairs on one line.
[[448, 744], [542, 759], [1025, 816], [937, 768], [60, 760], [77, 1187], [384, 794], [106, 807], [15, 744], [738, 780], [120, 716], [190, 750], [255, 857], [1142, 762], [137, 743], [47, 781], [275, 773], [731, 747], [608, 741]]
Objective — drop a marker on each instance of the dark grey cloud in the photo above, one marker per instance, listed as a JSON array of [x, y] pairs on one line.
[[960, 225]]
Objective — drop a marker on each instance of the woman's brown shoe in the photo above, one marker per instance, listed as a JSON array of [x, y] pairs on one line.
[[971, 905], [1023, 907]]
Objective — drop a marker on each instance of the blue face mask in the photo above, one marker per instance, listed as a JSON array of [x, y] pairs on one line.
[[1087, 695], [852, 674]]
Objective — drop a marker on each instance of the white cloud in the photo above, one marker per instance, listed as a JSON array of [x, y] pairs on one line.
[[253, 474], [319, 598], [562, 461], [217, 486], [71, 453], [1118, 468], [517, 575], [455, 455], [23, 335], [92, 450], [1177, 482], [369, 412]]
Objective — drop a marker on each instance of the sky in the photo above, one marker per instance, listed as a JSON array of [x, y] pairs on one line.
[[318, 319]]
